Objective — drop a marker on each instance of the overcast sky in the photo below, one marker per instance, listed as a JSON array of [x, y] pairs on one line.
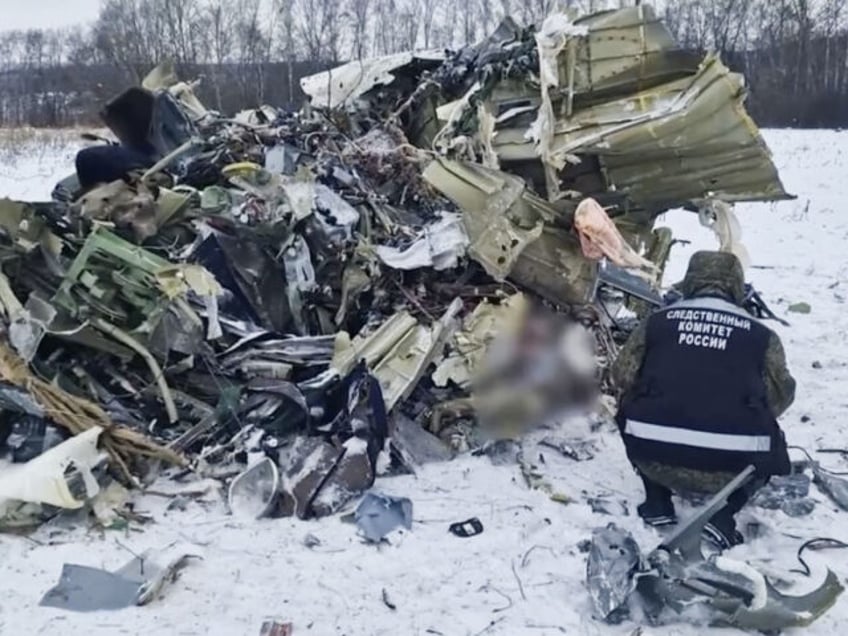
[[41, 14]]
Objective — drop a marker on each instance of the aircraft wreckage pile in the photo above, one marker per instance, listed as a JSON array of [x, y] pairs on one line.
[[373, 276]]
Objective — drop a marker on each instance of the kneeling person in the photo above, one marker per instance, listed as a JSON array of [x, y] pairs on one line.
[[703, 383]]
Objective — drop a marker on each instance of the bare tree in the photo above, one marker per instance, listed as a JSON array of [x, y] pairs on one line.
[[469, 24], [251, 43], [121, 38], [181, 19], [319, 26], [220, 25], [488, 16], [359, 12], [428, 16], [386, 27], [408, 23], [831, 18], [288, 44]]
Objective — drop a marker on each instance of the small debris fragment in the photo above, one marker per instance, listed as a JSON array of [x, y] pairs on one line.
[[830, 484], [502, 452], [30, 437], [610, 507], [577, 449], [466, 529], [387, 602], [787, 493], [754, 529], [180, 502], [613, 559], [377, 515], [86, 589], [275, 628], [798, 508], [253, 493]]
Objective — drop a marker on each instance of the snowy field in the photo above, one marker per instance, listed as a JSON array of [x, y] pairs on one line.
[[524, 574]]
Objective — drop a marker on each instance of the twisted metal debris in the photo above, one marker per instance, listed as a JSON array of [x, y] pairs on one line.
[[296, 283]]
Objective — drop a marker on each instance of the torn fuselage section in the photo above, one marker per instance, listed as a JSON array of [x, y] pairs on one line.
[[606, 106]]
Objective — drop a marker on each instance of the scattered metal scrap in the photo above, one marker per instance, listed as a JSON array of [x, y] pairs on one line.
[[787, 493], [275, 628], [140, 581], [466, 529], [675, 577], [833, 484], [253, 493], [377, 515], [577, 449]]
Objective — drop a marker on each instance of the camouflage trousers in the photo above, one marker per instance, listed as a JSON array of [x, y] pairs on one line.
[[678, 479]]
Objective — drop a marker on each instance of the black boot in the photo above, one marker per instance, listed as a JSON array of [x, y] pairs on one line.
[[658, 509], [721, 531]]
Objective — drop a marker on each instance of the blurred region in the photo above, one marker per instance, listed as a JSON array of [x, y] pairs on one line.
[[539, 366]]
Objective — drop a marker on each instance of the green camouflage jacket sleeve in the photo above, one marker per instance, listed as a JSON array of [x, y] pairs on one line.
[[780, 385], [629, 359]]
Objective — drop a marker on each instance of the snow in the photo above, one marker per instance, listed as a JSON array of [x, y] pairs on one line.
[[524, 574], [33, 161]]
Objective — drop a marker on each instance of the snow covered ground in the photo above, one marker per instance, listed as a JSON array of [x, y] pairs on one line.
[[524, 574]]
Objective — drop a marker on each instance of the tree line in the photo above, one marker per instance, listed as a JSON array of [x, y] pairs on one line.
[[794, 53]]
